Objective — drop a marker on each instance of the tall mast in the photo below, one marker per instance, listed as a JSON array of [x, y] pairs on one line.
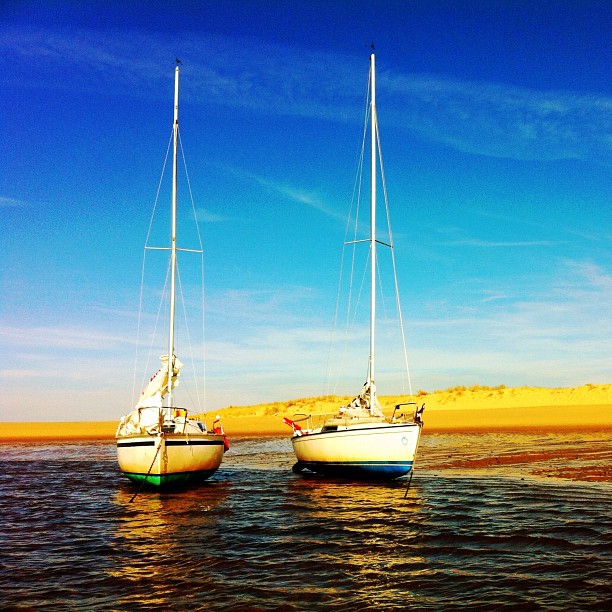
[[373, 130], [173, 238]]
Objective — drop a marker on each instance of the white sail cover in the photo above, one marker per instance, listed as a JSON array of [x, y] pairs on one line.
[[366, 400], [157, 388]]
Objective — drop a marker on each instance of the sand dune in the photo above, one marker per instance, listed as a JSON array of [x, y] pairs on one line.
[[457, 398], [475, 408], [455, 409]]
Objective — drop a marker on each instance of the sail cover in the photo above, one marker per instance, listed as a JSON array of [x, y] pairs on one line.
[[158, 385], [367, 400]]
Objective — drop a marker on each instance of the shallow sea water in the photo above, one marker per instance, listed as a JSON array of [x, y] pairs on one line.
[[479, 529]]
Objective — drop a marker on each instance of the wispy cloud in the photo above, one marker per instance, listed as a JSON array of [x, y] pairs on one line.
[[205, 216], [290, 193], [492, 119], [502, 120], [454, 238], [10, 202], [59, 338], [496, 297], [246, 73], [476, 242], [555, 330], [271, 345], [593, 275], [515, 220]]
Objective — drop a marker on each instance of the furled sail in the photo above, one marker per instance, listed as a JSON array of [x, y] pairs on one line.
[[157, 388], [366, 400]]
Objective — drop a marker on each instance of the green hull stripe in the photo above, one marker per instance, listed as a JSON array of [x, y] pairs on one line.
[[166, 480]]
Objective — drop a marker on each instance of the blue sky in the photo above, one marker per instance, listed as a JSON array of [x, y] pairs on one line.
[[495, 122]]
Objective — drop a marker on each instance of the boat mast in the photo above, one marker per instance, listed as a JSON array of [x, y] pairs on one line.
[[173, 239], [373, 130]]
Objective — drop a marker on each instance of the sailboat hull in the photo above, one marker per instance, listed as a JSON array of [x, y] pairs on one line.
[[171, 459], [382, 452]]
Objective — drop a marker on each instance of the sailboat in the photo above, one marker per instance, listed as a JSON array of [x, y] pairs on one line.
[[160, 444], [359, 441]]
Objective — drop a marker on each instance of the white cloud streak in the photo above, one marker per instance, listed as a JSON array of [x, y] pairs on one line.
[[556, 334], [491, 119], [6, 202], [292, 194], [59, 338], [558, 331], [475, 242], [505, 121]]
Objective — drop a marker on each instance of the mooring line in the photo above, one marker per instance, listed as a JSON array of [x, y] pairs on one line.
[[142, 484]]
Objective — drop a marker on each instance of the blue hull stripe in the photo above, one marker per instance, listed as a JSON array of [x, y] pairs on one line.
[[364, 469]]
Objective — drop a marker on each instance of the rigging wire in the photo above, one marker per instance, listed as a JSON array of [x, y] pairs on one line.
[[142, 273], [163, 298], [200, 402], [197, 226], [188, 335], [397, 294], [355, 200], [197, 401], [203, 314], [162, 303], [352, 302]]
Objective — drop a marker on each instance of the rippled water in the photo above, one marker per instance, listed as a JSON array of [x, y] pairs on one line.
[[489, 534]]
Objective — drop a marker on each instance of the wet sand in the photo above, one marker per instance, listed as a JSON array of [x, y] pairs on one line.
[[569, 442], [572, 455]]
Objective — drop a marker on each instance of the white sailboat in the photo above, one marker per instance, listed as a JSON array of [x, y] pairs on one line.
[[160, 444], [359, 441]]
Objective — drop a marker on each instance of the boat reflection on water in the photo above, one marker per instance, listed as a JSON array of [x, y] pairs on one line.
[[169, 515], [386, 495], [163, 539], [371, 531], [258, 537]]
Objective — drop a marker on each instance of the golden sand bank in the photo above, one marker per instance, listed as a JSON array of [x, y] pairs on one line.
[[460, 408], [457, 409]]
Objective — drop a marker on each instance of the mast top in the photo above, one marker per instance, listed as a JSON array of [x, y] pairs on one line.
[[176, 91]]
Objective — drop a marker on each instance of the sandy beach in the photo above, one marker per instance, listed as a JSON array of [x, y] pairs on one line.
[[458, 409]]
